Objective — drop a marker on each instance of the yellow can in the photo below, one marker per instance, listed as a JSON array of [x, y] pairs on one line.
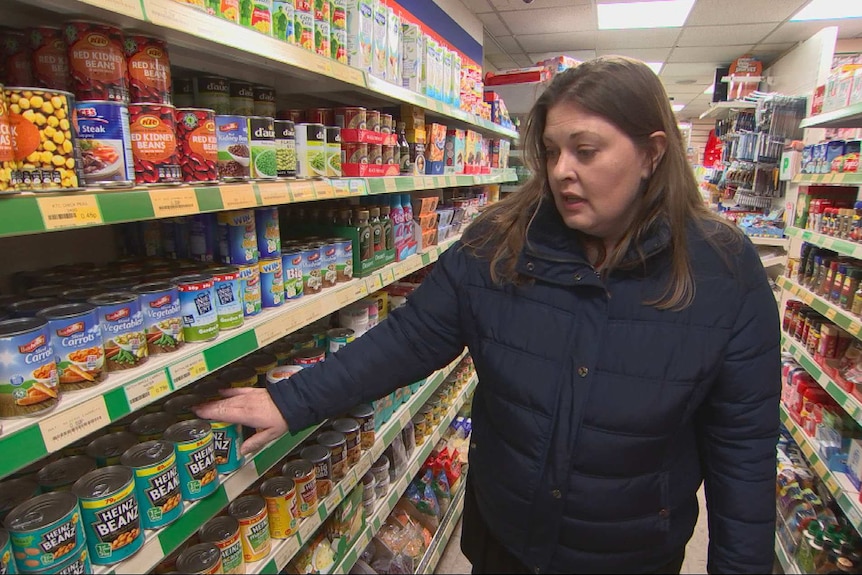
[[7, 148], [250, 511], [281, 508]]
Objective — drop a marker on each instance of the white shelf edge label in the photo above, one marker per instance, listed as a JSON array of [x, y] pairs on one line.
[[188, 370], [286, 552], [268, 332], [147, 390], [308, 527], [75, 423]]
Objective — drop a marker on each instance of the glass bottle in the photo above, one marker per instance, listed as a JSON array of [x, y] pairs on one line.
[[388, 229], [848, 290], [856, 308], [344, 217], [366, 248], [404, 149], [377, 239]]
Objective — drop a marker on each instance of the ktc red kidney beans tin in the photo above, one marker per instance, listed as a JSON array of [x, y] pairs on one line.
[[197, 143], [154, 144], [149, 69], [97, 61]]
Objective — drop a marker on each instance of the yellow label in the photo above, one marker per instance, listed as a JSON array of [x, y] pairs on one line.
[[308, 527], [341, 188], [387, 275], [171, 203], [237, 196], [323, 190], [70, 425], [855, 328], [188, 370], [428, 182], [321, 66], [390, 185], [831, 313], [348, 74], [349, 482], [373, 283], [827, 178], [268, 332], [69, 211], [156, 469], [358, 187], [147, 389], [195, 445], [102, 503], [302, 191], [274, 193]]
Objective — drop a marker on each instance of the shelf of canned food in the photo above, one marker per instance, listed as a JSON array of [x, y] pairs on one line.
[[836, 482], [72, 416], [374, 522], [35, 213], [843, 247], [832, 178], [841, 317]]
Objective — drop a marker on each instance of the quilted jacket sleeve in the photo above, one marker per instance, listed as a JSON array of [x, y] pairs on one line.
[[415, 340], [739, 425]]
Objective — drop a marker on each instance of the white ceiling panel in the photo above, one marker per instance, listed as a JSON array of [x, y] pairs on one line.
[[717, 54], [719, 12], [581, 55], [550, 20], [689, 90], [502, 61], [724, 35], [489, 45], [801, 31], [651, 38], [478, 6], [690, 70], [508, 43], [503, 5], [523, 60], [560, 41], [493, 24], [644, 54]]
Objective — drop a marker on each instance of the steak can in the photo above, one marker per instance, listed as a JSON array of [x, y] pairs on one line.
[[271, 283], [241, 98], [16, 62], [198, 305], [62, 474], [212, 92], [268, 233], [157, 482], [250, 511], [291, 264], [322, 460], [223, 532], [200, 559], [249, 279], [193, 442], [154, 144], [343, 259], [349, 427], [280, 496], [234, 153], [336, 443], [237, 237], [77, 341], [364, 414], [46, 531], [104, 135], [97, 62], [229, 299], [163, 320], [149, 69], [108, 449], [151, 426], [285, 148], [198, 144], [227, 440], [261, 134], [264, 98], [303, 29], [50, 57], [351, 118], [301, 471], [122, 325], [339, 337], [30, 384]]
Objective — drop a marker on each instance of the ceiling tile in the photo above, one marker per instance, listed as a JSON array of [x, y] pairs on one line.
[[490, 44], [478, 6], [717, 54], [502, 61], [690, 70], [649, 38], [724, 35], [581, 55], [644, 54], [549, 20], [493, 24], [559, 41], [801, 31], [686, 89], [508, 44], [503, 5], [715, 12], [523, 60]]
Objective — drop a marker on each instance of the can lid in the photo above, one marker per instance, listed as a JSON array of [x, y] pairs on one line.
[[111, 445], [153, 287], [239, 374], [331, 439], [66, 310], [261, 361], [41, 510], [21, 325], [198, 558], [80, 294], [49, 290], [282, 372], [223, 271], [277, 486], [297, 469], [340, 332], [65, 471], [147, 453], [219, 528], [345, 425], [150, 423], [381, 464], [211, 385], [315, 453], [247, 506], [30, 306], [100, 483], [309, 353], [190, 430], [113, 298], [181, 404], [15, 491], [190, 279], [362, 411]]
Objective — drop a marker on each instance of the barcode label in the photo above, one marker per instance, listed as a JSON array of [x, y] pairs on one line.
[[61, 217]]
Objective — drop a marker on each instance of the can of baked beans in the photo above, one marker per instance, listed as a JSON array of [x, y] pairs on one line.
[[301, 472]]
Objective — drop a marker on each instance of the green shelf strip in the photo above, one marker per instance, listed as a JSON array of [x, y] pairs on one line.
[[832, 312], [849, 117], [830, 179], [843, 247]]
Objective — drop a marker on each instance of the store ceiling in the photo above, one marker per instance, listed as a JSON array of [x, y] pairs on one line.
[[716, 32]]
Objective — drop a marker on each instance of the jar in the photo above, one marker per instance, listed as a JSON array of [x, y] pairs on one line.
[[834, 294], [848, 290]]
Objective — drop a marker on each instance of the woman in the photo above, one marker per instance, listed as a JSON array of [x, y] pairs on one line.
[[626, 342]]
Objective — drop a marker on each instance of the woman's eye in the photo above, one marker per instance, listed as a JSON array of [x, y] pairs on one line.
[[551, 153], [586, 153]]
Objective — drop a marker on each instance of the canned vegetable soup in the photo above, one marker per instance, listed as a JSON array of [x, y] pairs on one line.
[[45, 531], [229, 304], [163, 319], [234, 154], [122, 325], [60, 475], [200, 559], [157, 482], [223, 532], [280, 496], [77, 342], [29, 384], [250, 511], [193, 442], [198, 303], [105, 139], [227, 440]]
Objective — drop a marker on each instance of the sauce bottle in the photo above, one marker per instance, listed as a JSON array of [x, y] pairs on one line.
[[377, 240], [388, 230], [404, 149], [366, 248]]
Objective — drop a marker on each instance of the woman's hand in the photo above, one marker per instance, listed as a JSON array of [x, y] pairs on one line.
[[248, 406]]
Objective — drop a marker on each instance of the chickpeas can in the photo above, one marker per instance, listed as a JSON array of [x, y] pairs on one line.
[[122, 326], [97, 61], [46, 154], [280, 496], [193, 442], [223, 532], [301, 472], [227, 439], [46, 531], [105, 139], [149, 69], [250, 511], [198, 145], [77, 342], [154, 143], [163, 323], [198, 304], [30, 384], [50, 57], [62, 474], [157, 482], [200, 559]]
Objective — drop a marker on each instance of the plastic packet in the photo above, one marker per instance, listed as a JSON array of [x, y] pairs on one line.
[[398, 457]]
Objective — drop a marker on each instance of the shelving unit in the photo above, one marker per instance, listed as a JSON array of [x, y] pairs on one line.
[[768, 241], [833, 312], [830, 179], [785, 560], [770, 261], [721, 110], [432, 556], [843, 247], [849, 117]]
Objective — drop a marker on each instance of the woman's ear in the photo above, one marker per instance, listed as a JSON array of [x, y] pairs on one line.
[[655, 150]]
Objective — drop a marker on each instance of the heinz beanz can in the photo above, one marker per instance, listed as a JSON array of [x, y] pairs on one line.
[[227, 440], [280, 496], [198, 304], [77, 565], [237, 236], [249, 279], [7, 563], [234, 151], [268, 234], [30, 384], [291, 265], [229, 301], [46, 531], [105, 140], [122, 325], [77, 342], [200, 559], [157, 482], [163, 319], [193, 441], [271, 283], [223, 532]]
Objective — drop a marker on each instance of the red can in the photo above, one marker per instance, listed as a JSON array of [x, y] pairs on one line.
[[373, 120], [351, 118], [149, 69], [308, 356], [15, 58], [97, 62], [196, 140], [50, 58], [354, 153], [154, 143], [325, 116]]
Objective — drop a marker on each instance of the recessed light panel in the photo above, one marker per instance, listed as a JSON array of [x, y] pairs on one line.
[[660, 14]]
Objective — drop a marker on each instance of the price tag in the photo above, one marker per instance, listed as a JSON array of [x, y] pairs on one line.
[[131, 8], [349, 482], [321, 66], [360, 290], [373, 283], [61, 429], [390, 185], [69, 211], [428, 182], [404, 419], [308, 527], [855, 328], [827, 178], [377, 450], [274, 193], [188, 370], [363, 466], [388, 276], [452, 181], [302, 191], [171, 203], [286, 551], [348, 74], [147, 389], [323, 190], [237, 196], [341, 187], [808, 298], [358, 188], [269, 332], [854, 516], [343, 297], [831, 313]]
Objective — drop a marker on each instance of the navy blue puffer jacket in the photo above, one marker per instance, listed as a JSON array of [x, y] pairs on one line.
[[596, 416]]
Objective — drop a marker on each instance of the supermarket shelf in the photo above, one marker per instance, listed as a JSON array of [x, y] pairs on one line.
[[849, 117], [834, 313], [432, 556], [30, 213], [843, 247], [385, 506], [833, 179], [769, 261], [83, 412], [788, 565], [768, 241], [847, 402], [721, 110], [836, 482]]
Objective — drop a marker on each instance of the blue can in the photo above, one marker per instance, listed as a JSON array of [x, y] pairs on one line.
[[229, 301], [193, 444], [344, 259], [237, 237], [77, 342], [291, 267], [7, 563], [312, 280], [249, 282], [203, 232], [328, 263], [198, 304], [271, 283], [122, 325], [227, 439], [105, 140], [157, 482], [163, 318], [268, 234]]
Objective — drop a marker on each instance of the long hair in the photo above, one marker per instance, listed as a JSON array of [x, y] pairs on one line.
[[628, 94]]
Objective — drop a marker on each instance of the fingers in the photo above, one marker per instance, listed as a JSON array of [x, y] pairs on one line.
[[259, 439], [230, 410], [237, 391]]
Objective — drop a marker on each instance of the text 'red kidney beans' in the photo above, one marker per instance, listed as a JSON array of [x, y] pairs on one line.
[[97, 62], [198, 147], [154, 144], [149, 69]]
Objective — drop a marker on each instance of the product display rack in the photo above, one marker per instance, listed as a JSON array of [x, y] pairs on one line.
[[788, 566], [721, 110], [849, 117], [843, 247], [834, 313], [769, 261], [768, 241], [832, 178], [432, 556]]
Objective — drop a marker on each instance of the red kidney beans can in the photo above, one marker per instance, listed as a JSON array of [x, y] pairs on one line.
[[105, 142], [97, 61], [15, 58], [154, 144], [197, 143], [149, 69], [325, 116], [50, 58], [354, 153]]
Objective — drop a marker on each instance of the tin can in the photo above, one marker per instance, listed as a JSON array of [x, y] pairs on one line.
[[350, 428], [77, 342], [241, 98], [240, 376], [237, 236], [8, 163], [322, 44], [249, 278], [261, 133], [339, 14], [229, 305], [301, 472], [297, 116], [163, 319], [282, 372], [303, 29], [321, 116], [375, 154], [354, 153], [7, 563], [210, 386], [322, 10], [227, 440], [16, 55], [281, 507], [62, 474], [184, 93], [264, 97], [268, 234], [180, 406], [285, 148], [336, 443], [372, 120], [343, 259], [386, 123], [157, 482], [105, 139], [389, 155], [50, 58], [321, 458], [234, 153], [154, 144], [227, 9], [250, 511], [79, 564], [97, 62], [45, 531], [312, 279], [223, 532], [212, 92], [329, 263], [308, 356], [291, 264], [310, 150], [339, 337], [420, 431], [151, 426], [198, 303], [350, 118], [193, 442], [364, 414], [14, 492], [261, 362], [198, 144], [203, 232], [29, 375], [200, 559], [108, 449], [333, 151], [46, 153], [30, 307], [271, 282], [149, 69]]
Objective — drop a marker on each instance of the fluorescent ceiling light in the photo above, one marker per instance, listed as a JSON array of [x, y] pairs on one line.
[[655, 66], [678, 107], [829, 10], [710, 90], [660, 14]]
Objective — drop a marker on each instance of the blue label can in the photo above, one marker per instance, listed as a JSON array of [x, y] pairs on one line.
[[157, 482], [163, 318], [249, 280], [234, 153], [344, 259], [122, 325], [77, 565], [7, 563], [193, 444], [198, 305], [268, 234], [271, 283], [229, 302], [203, 232], [237, 237], [106, 143], [291, 266], [227, 439], [77, 342], [46, 531]]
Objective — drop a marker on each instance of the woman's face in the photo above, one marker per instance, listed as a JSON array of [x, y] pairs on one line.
[[594, 170]]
